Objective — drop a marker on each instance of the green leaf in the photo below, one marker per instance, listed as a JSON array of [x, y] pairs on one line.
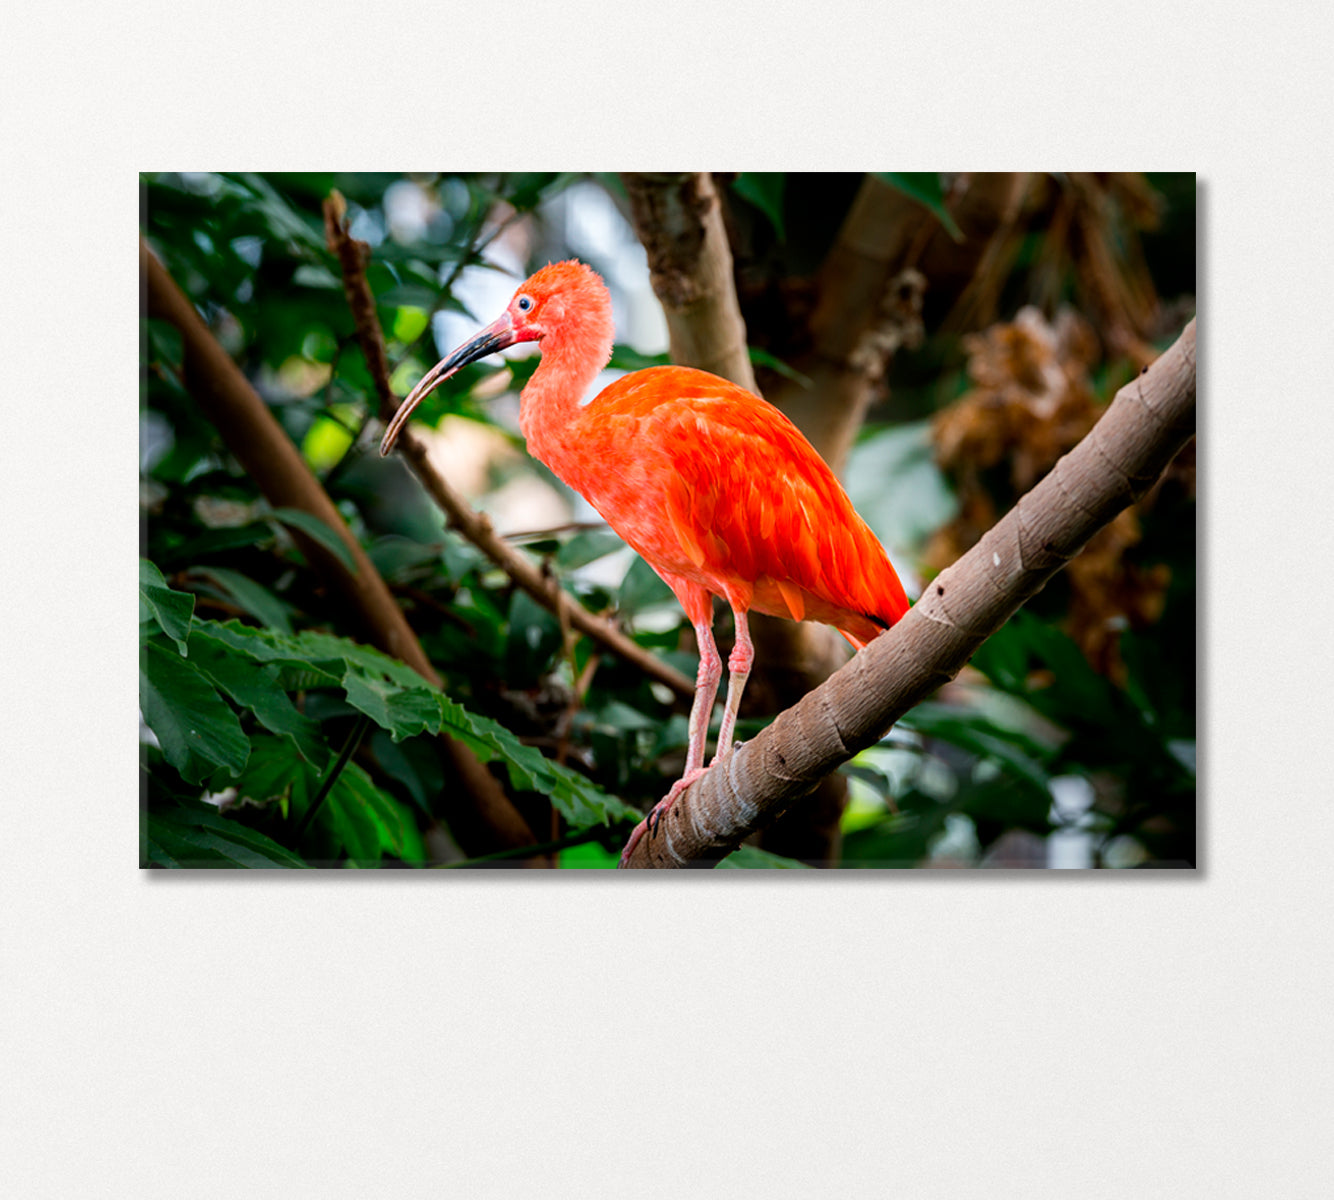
[[533, 636], [197, 730], [895, 483], [587, 547], [413, 764], [195, 837], [357, 817], [314, 528], [394, 556], [259, 689], [169, 610], [627, 358], [312, 275], [924, 187], [764, 189], [400, 701], [642, 589], [979, 735], [581, 802], [246, 594], [297, 665], [403, 711], [394, 830]]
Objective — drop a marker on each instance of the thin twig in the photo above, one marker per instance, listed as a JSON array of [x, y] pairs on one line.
[[335, 769]]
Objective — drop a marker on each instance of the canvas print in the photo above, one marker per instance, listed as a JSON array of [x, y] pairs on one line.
[[653, 521]]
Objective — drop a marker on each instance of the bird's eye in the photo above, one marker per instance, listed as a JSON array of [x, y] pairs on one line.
[[525, 303]]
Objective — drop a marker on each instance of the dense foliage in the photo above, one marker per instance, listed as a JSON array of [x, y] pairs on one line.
[[273, 738]]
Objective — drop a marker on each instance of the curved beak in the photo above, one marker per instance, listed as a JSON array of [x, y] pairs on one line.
[[496, 336]]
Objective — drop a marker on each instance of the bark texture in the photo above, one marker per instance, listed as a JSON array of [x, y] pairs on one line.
[[679, 220], [481, 817], [1149, 421]]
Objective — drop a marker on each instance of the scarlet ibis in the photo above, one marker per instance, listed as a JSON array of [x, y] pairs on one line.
[[714, 487]]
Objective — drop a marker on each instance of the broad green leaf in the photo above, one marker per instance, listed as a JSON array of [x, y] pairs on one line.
[[642, 589], [894, 482], [533, 636], [586, 547], [395, 556], [394, 828], [924, 187], [414, 764], [259, 689], [620, 716], [211, 542], [246, 594], [581, 802], [404, 712], [324, 646], [269, 646], [314, 528], [276, 773], [356, 816], [197, 730], [408, 296], [980, 736], [283, 221], [190, 837], [400, 701], [627, 358], [170, 610], [410, 322], [312, 275], [764, 189]]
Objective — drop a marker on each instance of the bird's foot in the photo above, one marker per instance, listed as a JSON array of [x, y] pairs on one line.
[[651, 822]]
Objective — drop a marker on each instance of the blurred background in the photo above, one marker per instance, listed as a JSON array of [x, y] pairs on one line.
[[1003, 313]]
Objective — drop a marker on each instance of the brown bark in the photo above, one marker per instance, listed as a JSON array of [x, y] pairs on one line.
[[1120, 460], [678, 219], [480, 815], [543, 587]]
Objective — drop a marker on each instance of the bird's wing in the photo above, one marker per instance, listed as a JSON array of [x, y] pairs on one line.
[[750, 501]]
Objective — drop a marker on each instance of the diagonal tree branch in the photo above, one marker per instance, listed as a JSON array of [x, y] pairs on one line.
[[480, 815], [1149, 421], [541, 585]]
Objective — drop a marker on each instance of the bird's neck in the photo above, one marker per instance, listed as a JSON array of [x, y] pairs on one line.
[[549, 409]]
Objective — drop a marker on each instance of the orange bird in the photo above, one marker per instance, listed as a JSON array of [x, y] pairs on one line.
[[715, 488]]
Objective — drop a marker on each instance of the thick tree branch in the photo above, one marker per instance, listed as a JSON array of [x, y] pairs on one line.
[[481, 816], [1149, 421], [542, 586], [678, 219]]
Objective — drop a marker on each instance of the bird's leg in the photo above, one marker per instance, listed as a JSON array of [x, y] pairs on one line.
[[701, 710], [738, 671], [706, 691]]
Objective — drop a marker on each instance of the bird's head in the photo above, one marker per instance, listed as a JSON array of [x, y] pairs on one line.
[[565, 304]]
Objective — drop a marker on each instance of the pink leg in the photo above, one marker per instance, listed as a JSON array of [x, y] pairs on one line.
[[701, 710], [738, 671], [706, 691]]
